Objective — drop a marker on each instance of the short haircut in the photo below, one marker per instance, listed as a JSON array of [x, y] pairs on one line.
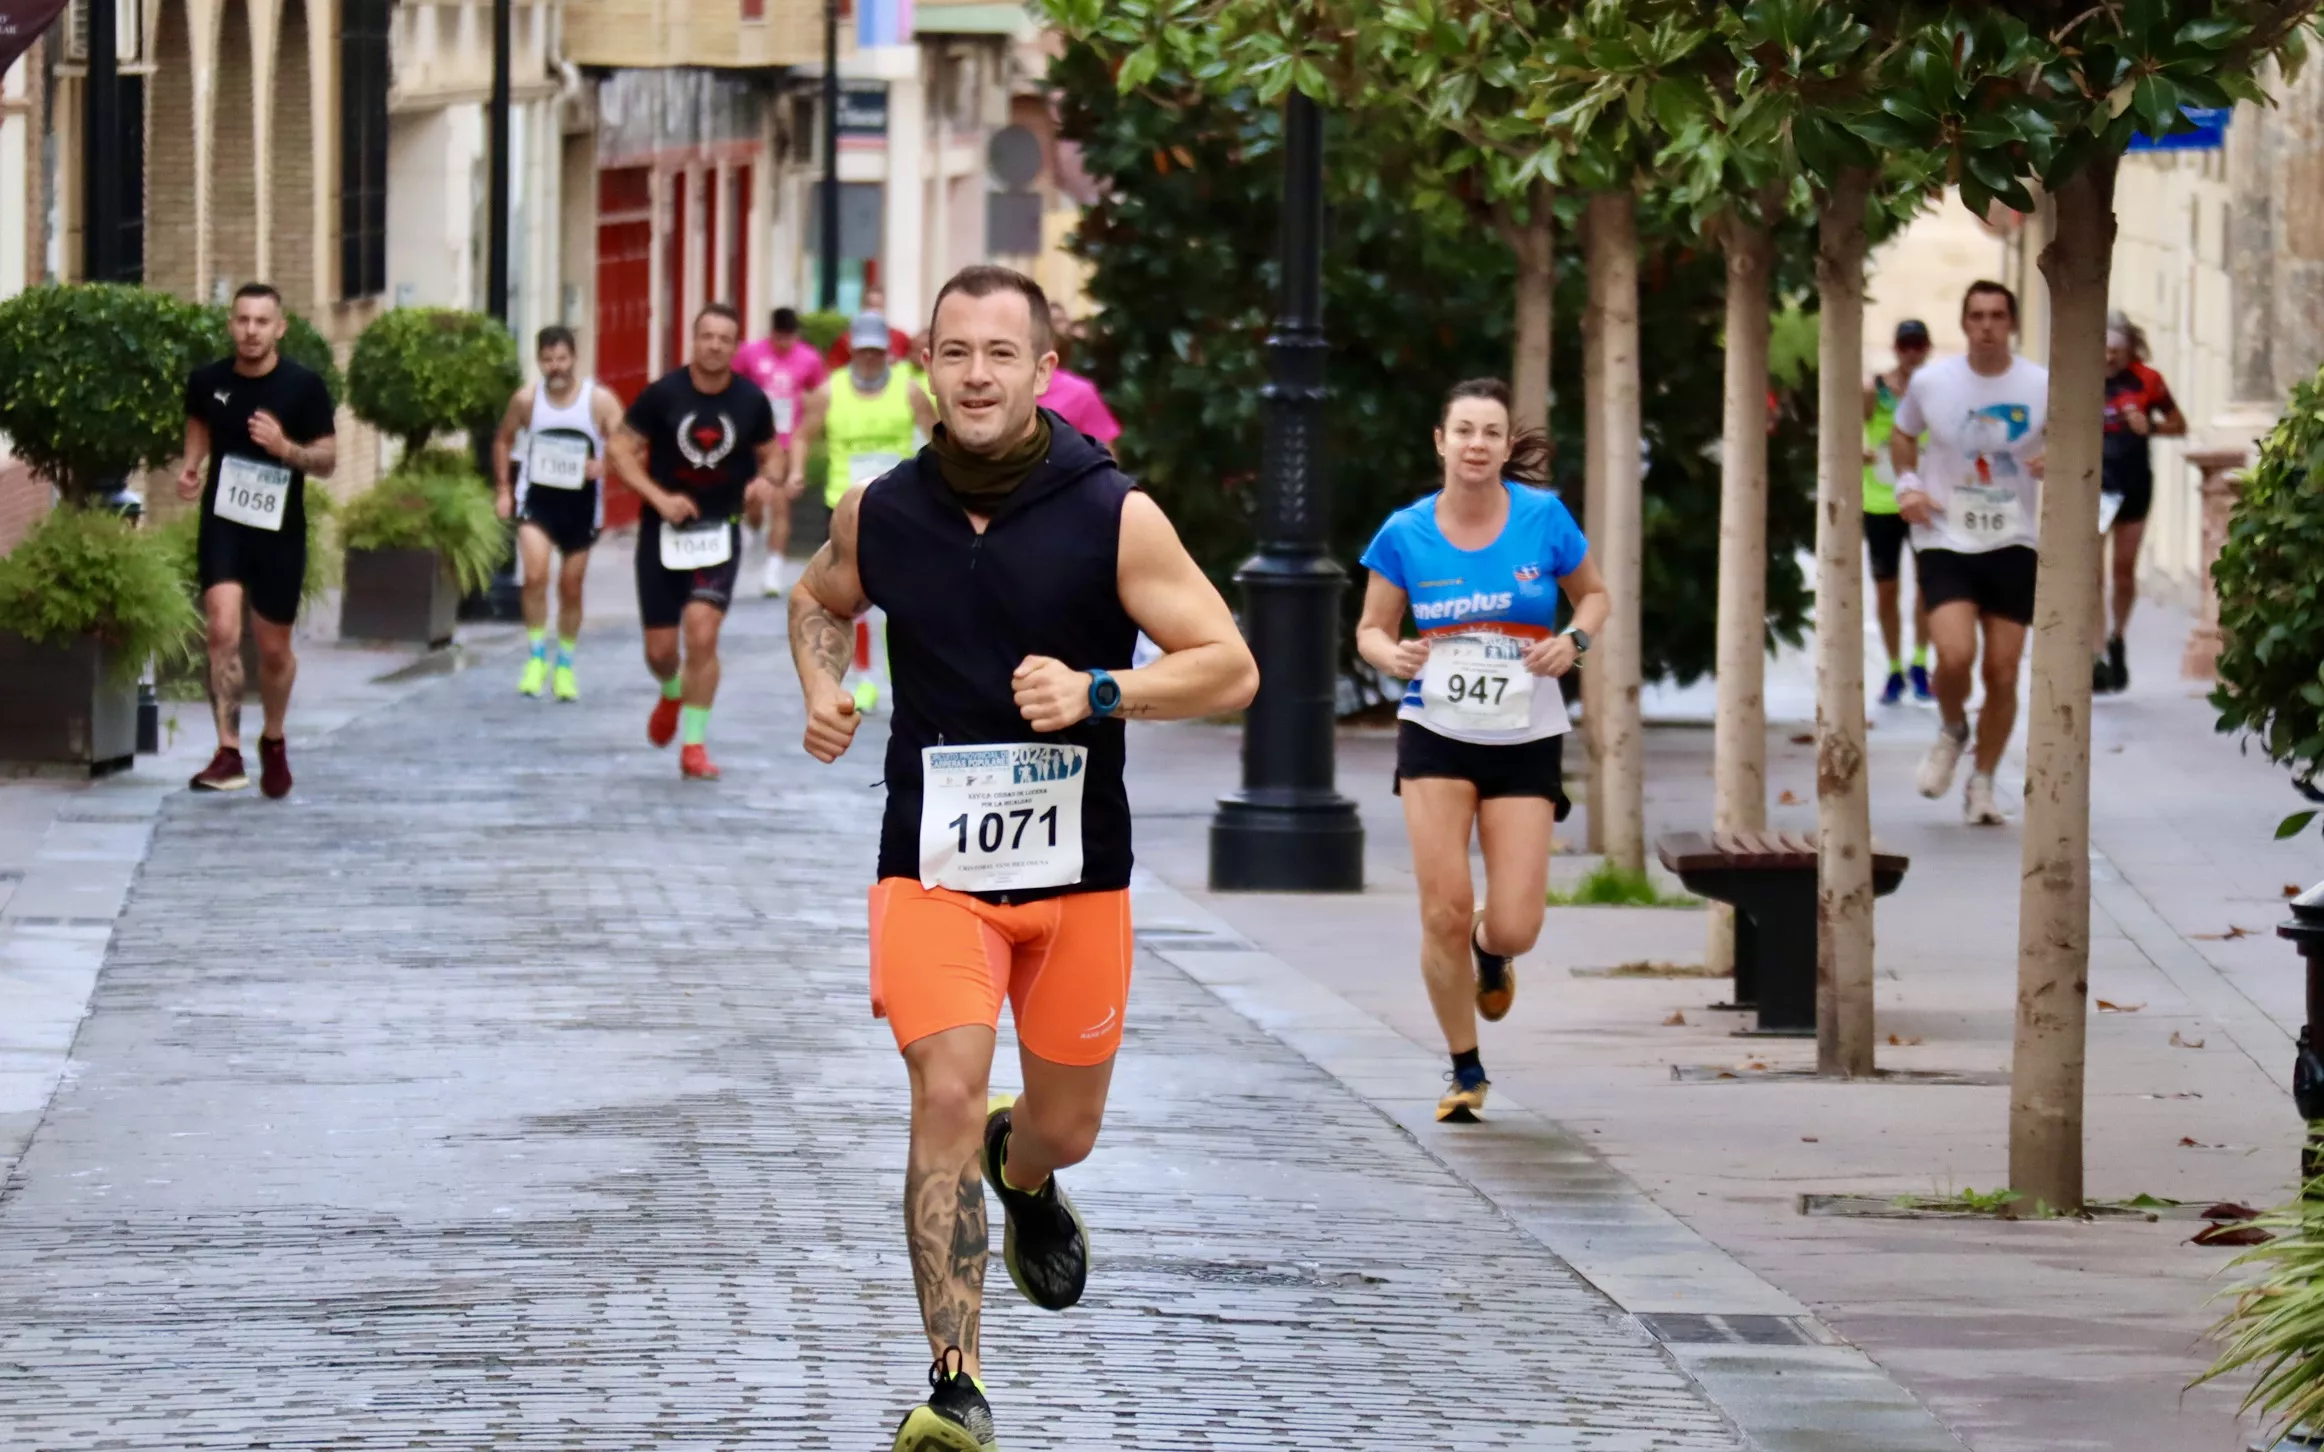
[[1995, 289], [259, 289], [555, 335], [984, 280], [720, 310], [786, 320]]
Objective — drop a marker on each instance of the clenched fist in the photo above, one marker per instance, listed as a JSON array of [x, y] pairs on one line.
[[1050, 694]]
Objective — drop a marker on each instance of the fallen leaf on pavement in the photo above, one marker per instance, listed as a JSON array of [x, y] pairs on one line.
[[2293, 889], [1804, 738], [2188, 1142], [1808, 1139], [1788, 799], [2230, 1235], [1755, 1064], [1676, 1020], [2180, 1043], [2190, 1094], [2114, 751], [2229, 1210], [2106, 1007], [1902, 1042], [2233, 932]]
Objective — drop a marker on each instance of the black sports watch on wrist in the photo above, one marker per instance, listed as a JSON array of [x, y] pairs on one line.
[[1105, 694], [1581, 640]]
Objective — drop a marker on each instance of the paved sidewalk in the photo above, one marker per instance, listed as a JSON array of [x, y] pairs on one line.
[[2023, 1336], [501, 1089]]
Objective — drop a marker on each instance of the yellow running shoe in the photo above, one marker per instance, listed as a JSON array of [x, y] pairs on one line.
[[564, 686], [536, 676], [955, 1418], [1462, 1101]]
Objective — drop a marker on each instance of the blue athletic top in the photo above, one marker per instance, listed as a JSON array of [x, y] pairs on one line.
[[1508, 588]]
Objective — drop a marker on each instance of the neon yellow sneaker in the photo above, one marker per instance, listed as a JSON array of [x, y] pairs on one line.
[[867, 697], [536, 676], [564, 687]]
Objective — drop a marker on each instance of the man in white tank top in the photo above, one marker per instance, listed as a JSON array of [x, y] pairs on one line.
[[549, 462]]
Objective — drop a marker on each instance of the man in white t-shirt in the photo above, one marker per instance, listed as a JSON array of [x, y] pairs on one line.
[[1972, 494]]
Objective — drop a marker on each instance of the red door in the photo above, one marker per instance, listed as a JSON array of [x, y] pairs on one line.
[[674, 274], [738, 252], [625, 300]]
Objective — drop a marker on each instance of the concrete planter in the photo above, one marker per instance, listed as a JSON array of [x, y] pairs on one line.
[[404, 596], [63, 706]]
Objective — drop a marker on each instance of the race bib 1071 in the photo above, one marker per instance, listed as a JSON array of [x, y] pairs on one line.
[[1001, 818], [253, 492]]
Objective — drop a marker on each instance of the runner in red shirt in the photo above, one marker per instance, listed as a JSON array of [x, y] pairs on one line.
[[875, 300], [2139, 406]]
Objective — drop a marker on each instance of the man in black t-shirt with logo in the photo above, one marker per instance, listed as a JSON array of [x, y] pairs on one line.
[[697, 444], [257, 425]]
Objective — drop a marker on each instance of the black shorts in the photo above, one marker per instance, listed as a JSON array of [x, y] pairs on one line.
[[570, 518], [2138, 497], [269, 565], [663, 595], [1998, 582], [1886, 535], [1525, 769]]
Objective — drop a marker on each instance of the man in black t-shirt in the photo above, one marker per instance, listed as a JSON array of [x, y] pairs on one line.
[[697, 444], [257, 425]]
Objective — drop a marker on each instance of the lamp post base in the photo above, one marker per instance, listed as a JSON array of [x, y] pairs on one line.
[[1276, 843]]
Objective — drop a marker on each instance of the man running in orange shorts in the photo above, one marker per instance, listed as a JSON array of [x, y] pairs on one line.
[[1015, 564]]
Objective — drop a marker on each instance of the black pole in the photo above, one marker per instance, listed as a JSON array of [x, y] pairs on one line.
[[1289, 829], [496, 257], [2306, 931], [101, 150], [827, 294]]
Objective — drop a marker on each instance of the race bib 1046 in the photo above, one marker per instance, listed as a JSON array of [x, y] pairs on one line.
[[1477, 683], [1001, 818], [557, 461], [696, 546], [253, 492], [1987, 515]]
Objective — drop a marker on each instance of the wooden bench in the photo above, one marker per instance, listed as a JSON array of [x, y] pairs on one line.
[[1769, 878]]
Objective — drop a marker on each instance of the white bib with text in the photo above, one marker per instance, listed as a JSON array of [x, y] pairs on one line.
[[863, 468], [696, 546], [786, 410], [557, 461], [1477, 683], [1987, 515], [1001, 818], [253, 492]]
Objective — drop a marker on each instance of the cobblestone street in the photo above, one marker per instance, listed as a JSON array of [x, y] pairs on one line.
[[502, 1090]]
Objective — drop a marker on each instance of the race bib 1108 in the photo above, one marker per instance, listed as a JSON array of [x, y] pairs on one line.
[[253, 492], [696, 546], [1001, 818]]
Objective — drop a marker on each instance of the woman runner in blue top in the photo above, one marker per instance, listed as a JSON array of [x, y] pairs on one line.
[[1480, 736]]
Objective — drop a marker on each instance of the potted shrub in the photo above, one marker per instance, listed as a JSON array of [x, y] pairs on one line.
[[425, 533], [92, 387]]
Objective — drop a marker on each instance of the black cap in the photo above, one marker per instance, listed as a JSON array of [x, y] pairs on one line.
[[1912, 332]]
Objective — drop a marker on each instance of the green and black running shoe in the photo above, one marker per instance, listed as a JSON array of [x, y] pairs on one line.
[[1045, 1244], [955, 1418]]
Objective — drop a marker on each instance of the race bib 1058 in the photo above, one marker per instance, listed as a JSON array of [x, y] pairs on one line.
[[253, 492], [1001, 818]]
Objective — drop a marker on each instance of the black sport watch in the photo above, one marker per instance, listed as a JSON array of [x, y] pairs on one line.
[[1581, 640], [1105, 694]]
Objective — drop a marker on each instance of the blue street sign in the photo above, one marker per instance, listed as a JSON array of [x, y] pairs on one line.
[[2209, 133]]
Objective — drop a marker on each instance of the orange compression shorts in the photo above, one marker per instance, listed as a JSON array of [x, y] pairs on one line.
[[942, 959]]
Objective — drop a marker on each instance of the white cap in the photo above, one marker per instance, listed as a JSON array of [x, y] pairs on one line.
[[869, 330]]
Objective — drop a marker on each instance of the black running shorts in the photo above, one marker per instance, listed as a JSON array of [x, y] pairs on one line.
[[569, 517], [663, 595], [1526, 769], [1998, 582], [2138, 498], [269, 565], [1886, 536]]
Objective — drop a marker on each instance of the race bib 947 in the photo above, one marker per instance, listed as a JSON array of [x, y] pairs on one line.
[[999, 818], [1477, 683]]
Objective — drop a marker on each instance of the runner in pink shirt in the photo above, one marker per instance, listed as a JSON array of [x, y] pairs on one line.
[[787, 368], [1072, 397]]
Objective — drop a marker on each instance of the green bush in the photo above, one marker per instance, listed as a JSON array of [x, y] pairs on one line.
[[2271, 665], [433, 500], [93, 380], [419, 372], [302, 342], [92, 572], [181, 541], [2275, 1330], [821, 330]]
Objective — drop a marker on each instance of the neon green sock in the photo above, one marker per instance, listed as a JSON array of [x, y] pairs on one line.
[[565, 650], [1920, 657], [1895, 666], [672, 690], [540, 642], [693, 725]]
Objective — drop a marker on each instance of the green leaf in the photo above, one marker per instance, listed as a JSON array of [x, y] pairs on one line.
[[2295, 824], [2210, 32]]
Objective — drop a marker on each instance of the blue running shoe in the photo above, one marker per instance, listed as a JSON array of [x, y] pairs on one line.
[[1920, 687], [1893, 692]]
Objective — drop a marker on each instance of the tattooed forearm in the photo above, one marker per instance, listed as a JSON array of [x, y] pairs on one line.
[[820, 639], [945, 1226]]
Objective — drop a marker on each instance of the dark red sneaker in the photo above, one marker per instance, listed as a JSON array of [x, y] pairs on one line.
[[223, 774], [662, 726], [694, 764], [274, 776]]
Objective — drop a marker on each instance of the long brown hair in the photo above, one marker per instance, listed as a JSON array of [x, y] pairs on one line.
[[1528, 448]]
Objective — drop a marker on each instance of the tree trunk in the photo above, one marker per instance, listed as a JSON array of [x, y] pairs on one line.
[[1532, 243], [2053, 913], [1593, 526], [1844, 1017], [1619, 541], [1739, 749]]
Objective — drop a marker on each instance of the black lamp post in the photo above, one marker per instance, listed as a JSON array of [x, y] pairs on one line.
[[2306, 932], [101, 149], [503, 599], [1289, 829], [827, 293]]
